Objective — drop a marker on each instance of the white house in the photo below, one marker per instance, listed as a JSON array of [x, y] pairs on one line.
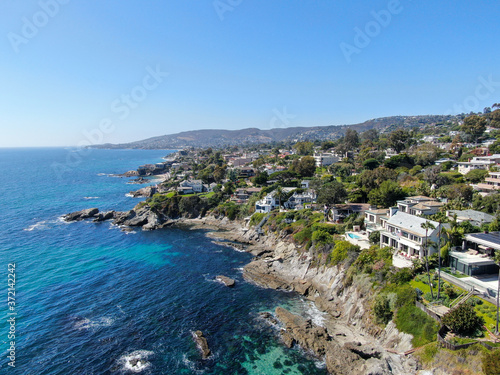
[[491, 183], [419, 205], [267, 204], [478, 162], [195, 186], [297, 200], [325, 159], [404, 232]]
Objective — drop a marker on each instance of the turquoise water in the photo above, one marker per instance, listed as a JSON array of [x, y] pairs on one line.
[[89, 296], [355, 236]]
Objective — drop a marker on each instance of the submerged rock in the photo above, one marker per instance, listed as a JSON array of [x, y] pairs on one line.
[[227, 281], [202, 344], [81, 215]]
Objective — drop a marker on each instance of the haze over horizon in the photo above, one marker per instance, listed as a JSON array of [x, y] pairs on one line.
[[129, 70]]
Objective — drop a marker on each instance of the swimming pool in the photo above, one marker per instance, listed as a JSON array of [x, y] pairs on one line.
[[355, 236]]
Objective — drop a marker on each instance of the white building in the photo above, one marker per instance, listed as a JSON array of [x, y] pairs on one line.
[[404, 232], [419, 205], [195, 186], [267, 204], [491, 183], [325, 159], [298, 200], [478, 162]]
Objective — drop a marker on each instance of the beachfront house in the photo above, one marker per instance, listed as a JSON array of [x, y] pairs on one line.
[[298, 200], [478, 162], [375, 219], [404, 233], [419, 205], [268, 203], [475, 256]]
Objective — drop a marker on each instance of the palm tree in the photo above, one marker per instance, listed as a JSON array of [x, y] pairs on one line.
[[497, 261], [279, 193], [439, 261], [427, 225]]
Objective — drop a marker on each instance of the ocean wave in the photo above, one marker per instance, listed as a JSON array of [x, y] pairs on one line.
[[91, 197], [135, 361], [86, 324], [129, 195], [45, 224], [41, 225]]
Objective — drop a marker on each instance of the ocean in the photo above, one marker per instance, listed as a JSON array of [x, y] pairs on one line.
[[89, 297]]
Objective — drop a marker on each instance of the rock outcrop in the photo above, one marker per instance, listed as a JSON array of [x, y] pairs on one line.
[[103, 216], [81, 215], [227, 281], [145, 192], [202, 344]]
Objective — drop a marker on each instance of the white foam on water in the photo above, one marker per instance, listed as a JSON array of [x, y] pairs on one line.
[[86, 324], [129, 195], [91, 197], [313, 313], [135, 361], [191, 365], [41, 225]]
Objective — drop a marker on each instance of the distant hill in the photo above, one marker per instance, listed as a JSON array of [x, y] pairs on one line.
[[220, 138]]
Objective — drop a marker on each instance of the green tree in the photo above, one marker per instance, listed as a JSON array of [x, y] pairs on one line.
[[427, 225], [399, 139], [351, 139], [305, 167], [497, 261], [304, 148], [474, 126], [463, 319], [331, 193], [371, 164], [386, 195], [476, 175]]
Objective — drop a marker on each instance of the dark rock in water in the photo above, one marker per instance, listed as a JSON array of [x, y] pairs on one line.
[[269, 317], [202, 343], [81, 215], [139, 180], [102, 216], [227, 281], [145, 192], [303, 331]]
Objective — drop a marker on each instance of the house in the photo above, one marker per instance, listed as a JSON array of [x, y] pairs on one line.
[[298, 200], [404, 232], [475, 257], [241, 195], [419, 205], [476, 218], [325, 159], [375, 219], [305, 184], [478, 162], [491, 184], [196, 186], [341, 211], [268, 203]]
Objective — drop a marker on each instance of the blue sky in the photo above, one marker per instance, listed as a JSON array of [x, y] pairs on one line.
[[68, 66]]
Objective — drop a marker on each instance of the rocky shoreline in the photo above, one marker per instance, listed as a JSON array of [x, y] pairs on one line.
[[348, 341]]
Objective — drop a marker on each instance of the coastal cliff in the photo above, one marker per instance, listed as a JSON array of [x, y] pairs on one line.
[[348, 340]]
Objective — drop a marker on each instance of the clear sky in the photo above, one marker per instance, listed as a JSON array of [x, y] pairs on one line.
[[123, 70]]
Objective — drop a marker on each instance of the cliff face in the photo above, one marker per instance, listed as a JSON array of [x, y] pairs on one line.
[[349, 341]]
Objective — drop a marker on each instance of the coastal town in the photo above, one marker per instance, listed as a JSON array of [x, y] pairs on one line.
[[413, 213]]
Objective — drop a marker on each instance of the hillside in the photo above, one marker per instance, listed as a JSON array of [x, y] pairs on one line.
[[220, 138]]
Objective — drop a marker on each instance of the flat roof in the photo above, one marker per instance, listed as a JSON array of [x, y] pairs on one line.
[[470, 259], [491, 239]]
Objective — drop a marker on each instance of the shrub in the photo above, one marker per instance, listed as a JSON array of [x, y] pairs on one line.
[[303, 235], [374, 237], [463, 319], [382, 309], [340, 250], [490, 363], [402, 276], [412, 320], [321, 237]]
